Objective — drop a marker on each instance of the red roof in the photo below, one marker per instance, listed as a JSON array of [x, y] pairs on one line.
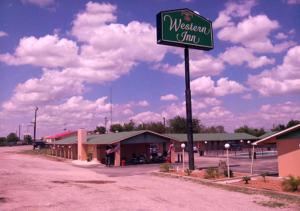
[[61, 135]]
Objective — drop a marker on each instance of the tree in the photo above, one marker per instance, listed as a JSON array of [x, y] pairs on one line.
[[129, 126], [214, 129], [280, 127], [28, 139], [100, 130], [116, 128], [157, 127], [252, 131], [3, 141], [178, 125], [292, 123], [12, 138]]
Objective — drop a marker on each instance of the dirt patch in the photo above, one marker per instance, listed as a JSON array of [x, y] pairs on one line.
[[83, 181], [269, 184], [276, 198], [95, 181], [127, 188], [59, 182], [273, 204], [3, 199]]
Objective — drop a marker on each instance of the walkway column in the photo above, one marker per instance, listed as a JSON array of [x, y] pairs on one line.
[[81, 140], [173, 154], [95, 153], [66, 151], [118, 156]]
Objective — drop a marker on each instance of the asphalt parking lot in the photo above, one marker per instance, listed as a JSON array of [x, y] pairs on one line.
[[35, 183]]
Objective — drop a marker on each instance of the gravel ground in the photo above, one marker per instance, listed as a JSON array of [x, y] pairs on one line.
[[34, 183]]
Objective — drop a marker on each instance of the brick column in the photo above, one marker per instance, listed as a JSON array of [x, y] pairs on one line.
[[95, 153], [173, 154], [118, 156], [81, 140]]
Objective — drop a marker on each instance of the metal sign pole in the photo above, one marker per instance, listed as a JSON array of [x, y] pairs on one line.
[[187, 29], [188, 103]]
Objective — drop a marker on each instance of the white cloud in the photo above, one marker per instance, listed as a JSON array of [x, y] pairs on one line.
[[143, 103], [240, 55], [50, 88], [40, 3], [76, 112], [282, 79], [268, 115], [280, 112], [215, 114], [96, 59], [233, 9], [47, 51], [292, 1], [3, 34], [200, 64], [97, 26], [205, 86], [168, 97], [281, 36], [253, 32], [147, 116], [247, 96]]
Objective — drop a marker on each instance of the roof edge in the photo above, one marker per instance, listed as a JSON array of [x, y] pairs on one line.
[[277, 134]]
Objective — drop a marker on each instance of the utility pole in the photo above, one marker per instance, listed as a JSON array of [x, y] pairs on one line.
[[34, 126], [164, 118], [111, 107], [19, 132], [105, 124]]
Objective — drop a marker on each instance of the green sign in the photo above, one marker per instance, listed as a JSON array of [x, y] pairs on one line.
[[184, 28]]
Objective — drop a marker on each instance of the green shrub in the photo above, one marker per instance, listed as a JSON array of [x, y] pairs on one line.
[[230, 173], [164, 167], [264, 174], [211, 173], [290, 184], [187, 172], [246, 179]]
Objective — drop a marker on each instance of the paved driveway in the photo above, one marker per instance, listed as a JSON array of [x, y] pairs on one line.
[[34, 183]]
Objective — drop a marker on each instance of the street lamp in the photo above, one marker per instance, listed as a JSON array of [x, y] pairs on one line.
[[252, 159], [227, 147], [182, 147]]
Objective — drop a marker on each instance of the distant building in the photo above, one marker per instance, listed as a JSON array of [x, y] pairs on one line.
[[59, 136], [125, 146]]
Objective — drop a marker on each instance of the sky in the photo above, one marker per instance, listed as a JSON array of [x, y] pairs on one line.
[[74, 60]]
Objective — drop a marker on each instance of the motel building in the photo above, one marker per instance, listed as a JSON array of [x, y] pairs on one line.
[[129, 147], [59, 136], [288, 150]]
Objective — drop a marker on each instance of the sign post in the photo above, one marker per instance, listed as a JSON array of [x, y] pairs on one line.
[[187, 29]]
